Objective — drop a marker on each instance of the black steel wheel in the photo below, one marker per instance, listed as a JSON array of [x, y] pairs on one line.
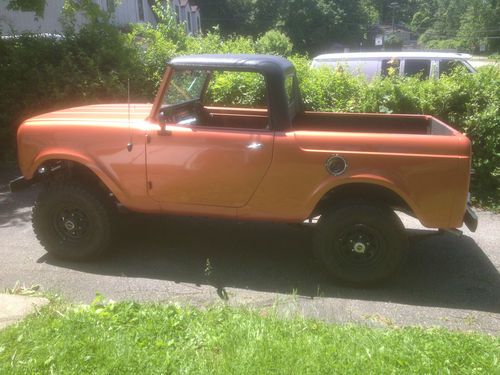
[[72, 222], [360, 243]]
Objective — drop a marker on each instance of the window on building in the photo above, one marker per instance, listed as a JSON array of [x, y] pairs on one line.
[[177, 13], [198, 24], [110, 5], [140, 10], [189, 21]]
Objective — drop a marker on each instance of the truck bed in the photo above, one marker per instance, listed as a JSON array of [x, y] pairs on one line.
[[371, 123]]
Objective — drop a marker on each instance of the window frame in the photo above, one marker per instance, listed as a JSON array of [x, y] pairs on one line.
[[269, 124], [140, 10], [403, 67], [384, 63]]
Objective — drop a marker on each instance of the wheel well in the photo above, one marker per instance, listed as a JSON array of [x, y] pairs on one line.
[[362, 191], [64, 170]]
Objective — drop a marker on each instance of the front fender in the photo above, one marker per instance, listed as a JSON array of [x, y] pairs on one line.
[[85, 160]]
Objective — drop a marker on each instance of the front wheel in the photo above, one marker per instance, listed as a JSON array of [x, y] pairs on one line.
[[360, 243], [72, 222]]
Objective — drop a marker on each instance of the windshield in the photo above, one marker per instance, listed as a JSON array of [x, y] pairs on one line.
[[185, 86]]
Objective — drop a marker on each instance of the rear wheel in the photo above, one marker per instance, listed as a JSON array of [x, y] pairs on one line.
[[72, 222], [360, 243]]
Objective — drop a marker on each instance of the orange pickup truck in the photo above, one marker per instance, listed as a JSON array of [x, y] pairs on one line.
[[227, 136]]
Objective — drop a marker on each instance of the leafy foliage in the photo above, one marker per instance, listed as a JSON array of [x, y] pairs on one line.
[[40, 73], [311, 25], [316, 26], [37, 6], [457, 24], [274, 42], [155, 46], [237, 89]]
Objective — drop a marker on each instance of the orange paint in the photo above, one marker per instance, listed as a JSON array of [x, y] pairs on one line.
[[225, 169]]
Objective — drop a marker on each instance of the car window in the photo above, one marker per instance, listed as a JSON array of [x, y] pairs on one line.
[[390, 67], [418, 67], [185, 86], [448, 66], [236, 89]]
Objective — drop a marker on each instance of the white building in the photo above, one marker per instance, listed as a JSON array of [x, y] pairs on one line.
[[189, 14], [127, 11]]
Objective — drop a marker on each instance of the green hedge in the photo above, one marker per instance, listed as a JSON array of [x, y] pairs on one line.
[[41, 74], [38, 74]]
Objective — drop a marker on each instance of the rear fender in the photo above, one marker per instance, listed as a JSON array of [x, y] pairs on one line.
[[375, 180]]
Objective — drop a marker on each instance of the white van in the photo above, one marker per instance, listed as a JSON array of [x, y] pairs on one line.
[[370, 64]]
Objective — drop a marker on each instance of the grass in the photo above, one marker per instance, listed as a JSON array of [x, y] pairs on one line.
[[131, 338]]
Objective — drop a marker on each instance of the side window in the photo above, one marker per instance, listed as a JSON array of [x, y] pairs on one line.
[[185, 86], [390, 67], [448, 66], [237, 89], [236, 100], [418, 67], [366, 68]]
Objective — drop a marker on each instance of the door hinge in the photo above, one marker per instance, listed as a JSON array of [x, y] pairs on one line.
[[150, 185], [148, 138]]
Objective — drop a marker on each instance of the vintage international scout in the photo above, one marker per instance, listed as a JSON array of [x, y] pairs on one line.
[[227, 136]]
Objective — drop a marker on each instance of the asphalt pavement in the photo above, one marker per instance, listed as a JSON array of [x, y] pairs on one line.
[[447, 281]]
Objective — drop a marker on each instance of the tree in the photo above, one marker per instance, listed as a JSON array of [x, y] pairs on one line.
[[37, 6], [479, 25], [232, 16], [274, 42], [312, 25], [459, 24]]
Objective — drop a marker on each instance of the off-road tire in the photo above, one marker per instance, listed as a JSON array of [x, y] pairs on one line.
[[73, 222], [360, 243]]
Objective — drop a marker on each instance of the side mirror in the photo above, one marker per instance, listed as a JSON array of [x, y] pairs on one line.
[[162, 121], [162, 117]]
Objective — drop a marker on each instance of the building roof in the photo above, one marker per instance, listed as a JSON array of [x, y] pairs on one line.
[[260, 63]]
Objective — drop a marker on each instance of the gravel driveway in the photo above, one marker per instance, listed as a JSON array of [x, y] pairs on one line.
[[447, 281]]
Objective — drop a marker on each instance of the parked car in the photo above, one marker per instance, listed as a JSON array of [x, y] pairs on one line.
[[198, 152], [371, 64]]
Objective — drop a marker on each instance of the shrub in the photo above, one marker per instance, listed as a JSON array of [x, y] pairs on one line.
[[245, 89], [155, 46], [274, 42]]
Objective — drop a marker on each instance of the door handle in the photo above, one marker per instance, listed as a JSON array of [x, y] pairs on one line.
[[255, 146]]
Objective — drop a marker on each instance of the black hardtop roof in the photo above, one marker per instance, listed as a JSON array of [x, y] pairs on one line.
[[266, 64]]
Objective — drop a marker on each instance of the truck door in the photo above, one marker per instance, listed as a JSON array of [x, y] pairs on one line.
[[209, 156]]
